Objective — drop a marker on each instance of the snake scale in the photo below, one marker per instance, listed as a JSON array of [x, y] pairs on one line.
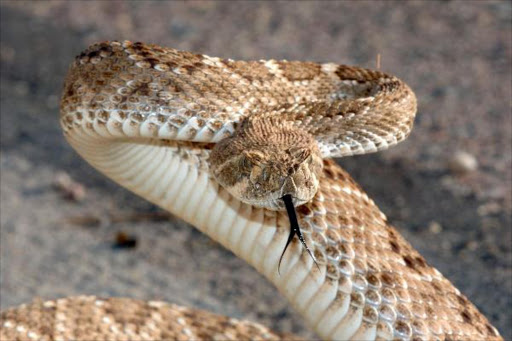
[[149, 117]]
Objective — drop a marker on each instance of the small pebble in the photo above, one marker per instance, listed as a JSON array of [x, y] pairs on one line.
[[462, 163], [125, 241], [434, 227], [71, 189]]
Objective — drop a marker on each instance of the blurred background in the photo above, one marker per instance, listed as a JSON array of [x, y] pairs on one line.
[[67, 230]]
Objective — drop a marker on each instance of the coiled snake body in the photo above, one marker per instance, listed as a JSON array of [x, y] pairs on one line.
[[150, 117]]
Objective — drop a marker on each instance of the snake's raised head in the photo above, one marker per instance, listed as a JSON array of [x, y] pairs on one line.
[[265, 160]]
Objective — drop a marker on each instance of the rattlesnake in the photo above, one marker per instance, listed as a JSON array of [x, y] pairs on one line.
[[151, 118]]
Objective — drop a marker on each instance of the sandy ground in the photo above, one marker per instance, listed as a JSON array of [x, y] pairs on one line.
[[455, 55]]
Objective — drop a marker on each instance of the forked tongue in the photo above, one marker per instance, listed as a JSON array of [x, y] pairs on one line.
[[294, 230]]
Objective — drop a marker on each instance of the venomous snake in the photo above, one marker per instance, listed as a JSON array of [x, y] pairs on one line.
[[153, 118]]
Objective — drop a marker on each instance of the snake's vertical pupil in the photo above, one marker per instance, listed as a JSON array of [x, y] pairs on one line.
[[294, 230]]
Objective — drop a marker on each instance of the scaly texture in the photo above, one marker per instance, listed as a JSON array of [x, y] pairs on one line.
[[93, 318], [147, 116]]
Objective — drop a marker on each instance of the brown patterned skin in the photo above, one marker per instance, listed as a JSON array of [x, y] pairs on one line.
[[127, 102], [93, 318], [361, 110]]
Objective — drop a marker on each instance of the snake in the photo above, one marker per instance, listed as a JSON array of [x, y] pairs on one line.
[[243, 151]]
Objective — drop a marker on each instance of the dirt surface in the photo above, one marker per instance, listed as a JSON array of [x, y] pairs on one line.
[[455, 55]]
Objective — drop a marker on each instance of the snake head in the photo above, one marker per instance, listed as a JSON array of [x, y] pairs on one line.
[[260, 172]]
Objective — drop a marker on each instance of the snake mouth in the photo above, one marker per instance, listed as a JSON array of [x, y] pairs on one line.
[[276, 202]]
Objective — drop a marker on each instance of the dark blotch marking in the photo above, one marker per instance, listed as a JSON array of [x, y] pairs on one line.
[[394, 246], [430, 311], [420, 261], [172, 65], [409, 262], [387, 279], [105, 48], [142, 90], [151, 61], [390, 87], [357, 223], [329, 172], [462, 300], [298, 71], [358, 74], [436, 287], [349, 73], [304, 210], [189, 68], [93, 54], [466, 316], [416, 263]]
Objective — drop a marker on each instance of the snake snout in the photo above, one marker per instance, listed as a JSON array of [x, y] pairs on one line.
[[297, 194]]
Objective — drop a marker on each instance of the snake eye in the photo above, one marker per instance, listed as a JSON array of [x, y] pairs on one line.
[[299, 153], [245, 163], [254, 155]]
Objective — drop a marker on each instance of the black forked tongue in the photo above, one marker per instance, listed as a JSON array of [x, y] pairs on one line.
[[294, 230]]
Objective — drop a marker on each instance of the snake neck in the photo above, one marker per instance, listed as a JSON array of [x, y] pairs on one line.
[[175, 176]]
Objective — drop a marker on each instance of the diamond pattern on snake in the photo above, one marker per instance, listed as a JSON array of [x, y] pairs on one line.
[[243, 151]]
